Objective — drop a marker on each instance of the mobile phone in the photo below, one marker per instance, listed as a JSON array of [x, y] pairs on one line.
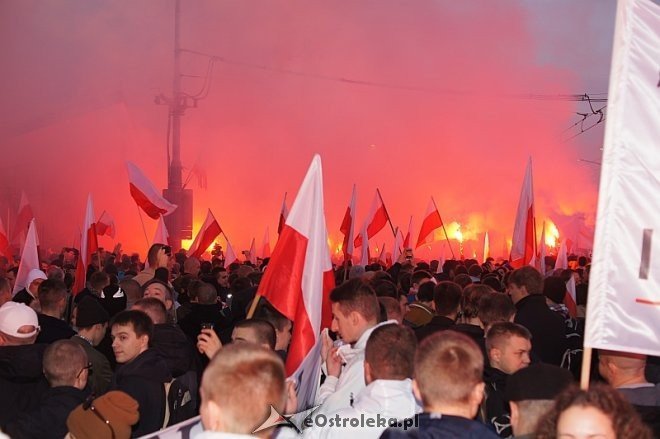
[[207, 325]]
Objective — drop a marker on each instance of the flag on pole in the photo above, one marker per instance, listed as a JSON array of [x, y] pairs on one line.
[[88, 246], [5, 248], [146, 195], [407, 241], [106, 225], [29, 258], [376, 220], [230, 255], [205, 237], [542, 251], [398, 246], [252, 254], [431, 222], [23, 217], [364, 254], [265, 252], [524, 234], [381, 255], [486, 247], [348, 228], [570, 299], [298, 282], [284, 213], [161, 236]]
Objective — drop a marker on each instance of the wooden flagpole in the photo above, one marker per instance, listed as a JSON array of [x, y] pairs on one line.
[[386, 213]]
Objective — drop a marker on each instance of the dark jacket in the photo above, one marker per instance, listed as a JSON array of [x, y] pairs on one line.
[[442, 426], [476, 333], [22, 382], [192, 323], [437, 324], [22, 296], [547, 328], [53, 329], [48, 420], [497, 412], [143, 379], [101, 375], [174, 347]]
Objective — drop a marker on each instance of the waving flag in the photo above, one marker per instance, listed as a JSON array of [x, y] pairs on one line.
[[106, 225], [407, 240], [146, 195], [524, 232], [431, 222], [398, 246], [265, 252], [348, 228], [376, 220], [23, 217], [299, 279], [205, 237], [161, 236], [230, 255], [29, 258], [88, 246], [542, 251], [284, 212]]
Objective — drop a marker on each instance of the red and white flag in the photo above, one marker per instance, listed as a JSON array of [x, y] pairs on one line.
[[88, 246], [146, 195], [381, 255], [407, 240], [376, 220], [365, 254], [252, 253], [348, 228], [205, 237], [570, 299], [298, 282], [486, 247], [230, 255], [106, 225], [265, 252], [523, 242], [431, 222], [29, 258], [23, 218], [398, 246], [284, 213], [542, 251], [5, 247], [161, 236]]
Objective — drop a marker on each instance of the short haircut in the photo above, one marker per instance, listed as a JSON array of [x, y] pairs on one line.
[[169, 295], [55, 273], [448, 365], [240, 376], [141, 322], [264, 331], [190, 264], [502, 331], [419, 276], [206, 294], [98, 280], [446, 297], [390, 352], [132, 289], [152, 254], [268, 313], [463, 279], [472, 294], [392, 308], [356, 295], [50, 292], [425, 292], [63, 360], [495, 307], [528, 277], [154, 308], [554, 288], [385, 288]]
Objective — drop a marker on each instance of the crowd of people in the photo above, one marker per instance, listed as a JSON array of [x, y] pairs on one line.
[[416, 349]]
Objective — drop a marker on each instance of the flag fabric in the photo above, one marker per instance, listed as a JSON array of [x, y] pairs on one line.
[[298, 282], [88, 246], [29, 258], [407, 240], [486, 247], [570, 299], [5, 247], [381, 255], [524, 235], [348, 228], [146, 195], [265, 252], [23, 217], [161, 236], [376, 220], [398, 246], [205, 237], [252, 253], [442, 259], [562, 256], [364, 254], [230, 255], [431, 222], [106, 225], [624, 282], [542, 251], [284, 213]]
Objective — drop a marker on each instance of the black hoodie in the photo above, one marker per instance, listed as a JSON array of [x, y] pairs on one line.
[[143, 379]]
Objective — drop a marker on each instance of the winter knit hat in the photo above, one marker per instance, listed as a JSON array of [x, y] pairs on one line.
[[114, 412]]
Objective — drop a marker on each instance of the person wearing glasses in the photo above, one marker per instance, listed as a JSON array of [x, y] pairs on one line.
[[66, 368], [158, 256]]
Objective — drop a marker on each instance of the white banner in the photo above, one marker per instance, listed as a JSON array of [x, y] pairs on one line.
[[183, 430], [623, 312]]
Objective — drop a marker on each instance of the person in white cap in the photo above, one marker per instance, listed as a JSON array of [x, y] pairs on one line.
[[29, 293]]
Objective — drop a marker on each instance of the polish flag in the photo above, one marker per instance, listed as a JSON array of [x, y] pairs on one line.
[[431, 222], [265, 253], [284, 213], [407, 241], [23, 217], [205, 237], [570, 299], [298, 282], [29, 258], [106, 225], [542, 251], [364, 255], [161, 236], [5, 248], [381, 255], [252, 256], [523, 242], [376, 220], [146, 195], [230, 255], [348, 228], [88, 246], [398, 246], [486, 247]]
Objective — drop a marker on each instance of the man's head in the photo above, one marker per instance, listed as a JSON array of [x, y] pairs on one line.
[[390, 353], [354, 309], [65, 364], [554, 289], [472, 295], [19, 324], [34, 279], [392, 308], [222, 277], [282, 325], [5, 291], [159, 255], [495, 307], [621, 367], [531, 392], [447, 299], [152, 307], [191, 266], [239, 376], [92, 320], [417, 279], [161, 291], [523, 282], [448, 374], [508, 346], [259, 332], [52, 297], [99, 280], [131, 332], [425, 293], [133, 291], [206, 294]]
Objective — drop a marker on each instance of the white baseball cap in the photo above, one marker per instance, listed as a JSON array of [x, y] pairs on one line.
[[14, 315]]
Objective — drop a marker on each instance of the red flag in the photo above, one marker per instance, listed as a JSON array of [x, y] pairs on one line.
[[284, 212], [265, 252], [299, 279], [5, 248], [431, 222], [542, 251], [205, 237], [146, 195], [29, 258], [23, 217], [88, 246], [407, 241], [376, 220], [524, 234], [106, 225], [348, 228]]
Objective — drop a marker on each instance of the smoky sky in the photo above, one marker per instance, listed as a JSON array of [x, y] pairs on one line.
[[416, 98]]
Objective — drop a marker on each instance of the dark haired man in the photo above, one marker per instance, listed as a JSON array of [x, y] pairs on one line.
[[158, 256], [52, 299], [446, 304]]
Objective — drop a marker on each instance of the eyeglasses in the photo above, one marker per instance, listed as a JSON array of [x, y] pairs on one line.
[[89, 405], [88, 367]]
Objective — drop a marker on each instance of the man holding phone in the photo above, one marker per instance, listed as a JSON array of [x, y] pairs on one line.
[[159, 255]]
